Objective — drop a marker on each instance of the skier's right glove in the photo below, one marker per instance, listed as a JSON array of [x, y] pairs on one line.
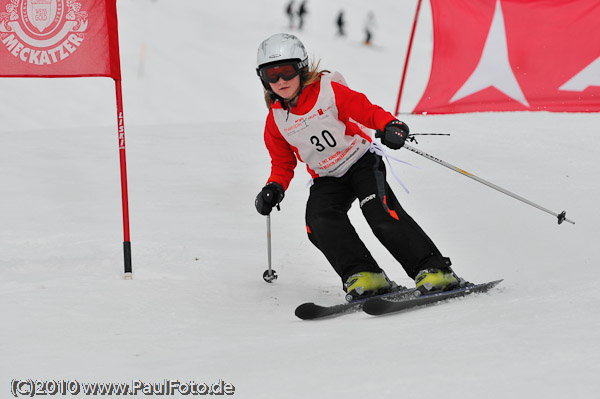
[[394, 134], [271, 195]]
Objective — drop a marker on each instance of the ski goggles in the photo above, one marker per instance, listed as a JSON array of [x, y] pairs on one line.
[[272, 73]]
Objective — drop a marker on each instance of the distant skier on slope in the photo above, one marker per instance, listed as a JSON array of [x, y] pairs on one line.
[[370, 26], [313, 116], [339, 21], [302, 11], [289, 10]]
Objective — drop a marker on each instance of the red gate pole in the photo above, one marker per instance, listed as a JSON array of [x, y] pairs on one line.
[[121, 130], [412, 36]]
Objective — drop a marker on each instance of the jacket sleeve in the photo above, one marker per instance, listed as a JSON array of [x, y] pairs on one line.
[[283, 158], [355, 105]]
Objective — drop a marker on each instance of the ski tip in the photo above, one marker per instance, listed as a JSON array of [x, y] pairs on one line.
[[305, 311]]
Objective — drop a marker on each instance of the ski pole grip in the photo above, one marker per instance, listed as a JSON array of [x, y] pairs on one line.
[[267, 195]]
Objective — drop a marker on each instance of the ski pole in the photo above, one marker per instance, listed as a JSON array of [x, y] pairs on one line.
[[269, 275], [561, 217]]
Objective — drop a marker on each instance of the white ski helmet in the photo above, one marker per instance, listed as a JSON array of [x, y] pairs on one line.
[[281, 48]]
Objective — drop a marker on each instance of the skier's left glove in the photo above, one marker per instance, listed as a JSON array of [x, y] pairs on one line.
[[394, 134], [271, 195]]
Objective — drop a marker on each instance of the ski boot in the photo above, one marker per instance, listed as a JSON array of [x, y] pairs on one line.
[[429, 281], [364, 284]]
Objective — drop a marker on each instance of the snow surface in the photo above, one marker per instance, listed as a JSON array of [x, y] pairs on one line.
[[198, 308]]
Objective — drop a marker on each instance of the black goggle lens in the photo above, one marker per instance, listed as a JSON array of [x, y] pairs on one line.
[[272, 74]]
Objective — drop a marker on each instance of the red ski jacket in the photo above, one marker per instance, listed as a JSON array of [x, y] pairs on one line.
[[352, 107]]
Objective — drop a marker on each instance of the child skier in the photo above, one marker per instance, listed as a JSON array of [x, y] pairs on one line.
[[315, 118]]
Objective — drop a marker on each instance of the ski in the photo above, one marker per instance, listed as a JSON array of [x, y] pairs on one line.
[[311, 311], [381, 306]]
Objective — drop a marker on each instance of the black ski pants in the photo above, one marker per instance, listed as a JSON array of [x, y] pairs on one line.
[[330, 230]]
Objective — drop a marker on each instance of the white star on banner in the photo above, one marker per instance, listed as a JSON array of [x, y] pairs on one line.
[[588, 76], [494, 68]]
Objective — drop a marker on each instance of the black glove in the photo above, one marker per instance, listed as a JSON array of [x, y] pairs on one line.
[[394, 134], [270, 196]]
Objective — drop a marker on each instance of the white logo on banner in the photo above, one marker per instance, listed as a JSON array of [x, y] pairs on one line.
[[42, 32], [589, 76], [494, 68]]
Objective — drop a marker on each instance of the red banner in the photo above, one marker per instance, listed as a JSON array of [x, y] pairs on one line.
[[59, 38], [514, 55]]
